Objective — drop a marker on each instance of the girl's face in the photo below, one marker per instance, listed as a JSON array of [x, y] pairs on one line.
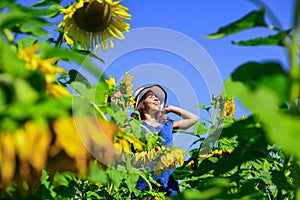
[[152, 102]]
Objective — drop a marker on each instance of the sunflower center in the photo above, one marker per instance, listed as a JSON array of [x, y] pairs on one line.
[[93, 16]]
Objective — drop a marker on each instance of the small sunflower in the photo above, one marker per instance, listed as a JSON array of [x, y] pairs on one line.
[[94, 21], [216, 153], [111, 83], [131, 101], [127, 80], [126, 88], [229, 107]]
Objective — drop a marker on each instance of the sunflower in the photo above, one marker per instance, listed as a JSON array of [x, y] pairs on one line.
[[123, 142], [169, 159], [229, 107], [30, 55], [215, 153], [23, 153], [94, 21], [111, 83], [145, 157], [127, 80], [163, 158]]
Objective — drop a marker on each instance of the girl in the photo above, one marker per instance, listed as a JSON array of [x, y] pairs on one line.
[[151, 103]]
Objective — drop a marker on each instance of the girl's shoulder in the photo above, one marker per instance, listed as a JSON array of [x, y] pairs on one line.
[[163, 125]]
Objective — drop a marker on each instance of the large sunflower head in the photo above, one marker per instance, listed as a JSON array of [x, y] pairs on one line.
[[90, 22]]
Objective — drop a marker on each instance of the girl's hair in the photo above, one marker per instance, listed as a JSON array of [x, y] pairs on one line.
[[141, 107]]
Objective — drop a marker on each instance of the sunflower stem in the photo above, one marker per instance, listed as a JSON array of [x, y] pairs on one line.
[[102, 116], [59, 40], [294, 70], [146, 180], [110, 188], [271, 27]]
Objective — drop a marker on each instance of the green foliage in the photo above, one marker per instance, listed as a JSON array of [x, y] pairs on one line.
[[253, 158], [272, 40], [262, 159], [256, 75], [251, 20]]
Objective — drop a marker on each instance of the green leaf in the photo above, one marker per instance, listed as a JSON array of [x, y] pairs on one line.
[[87, 94], [251, 72], [251, 20], [48, 52], [26, 41], [121, 117], [131, 181], [54, 10], [136, 128], [76, 76], [280, 180], [79, 87], [115, 176], [101, 91], [34, 30], [270, 75], [32, 12], [47, 191], [279, 84], [60, 179], [249, 189], [273, 40], [24, 92], [47, 3], [204, 107], [93, 195], [200, 128], [19, 16], [2, 98], [97, 174], [45, 178], [5, 3], [282, 129], [10, 62], [89, 53]]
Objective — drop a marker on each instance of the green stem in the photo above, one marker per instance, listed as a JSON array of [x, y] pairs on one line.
[[59, 40], [271, 27], [110, 188], [146, 180], [102, 116], [214, 116], [294, 71], [295, 174]]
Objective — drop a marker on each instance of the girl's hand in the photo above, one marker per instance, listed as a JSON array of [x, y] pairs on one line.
[[168, 109], [188, 118]]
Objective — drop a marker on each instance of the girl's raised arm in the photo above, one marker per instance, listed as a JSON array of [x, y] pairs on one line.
[[188, 118]]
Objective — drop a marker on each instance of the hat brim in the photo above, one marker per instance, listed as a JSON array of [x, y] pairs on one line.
[[157, 89]]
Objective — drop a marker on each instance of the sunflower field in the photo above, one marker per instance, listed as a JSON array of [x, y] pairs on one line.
[[63, 138]]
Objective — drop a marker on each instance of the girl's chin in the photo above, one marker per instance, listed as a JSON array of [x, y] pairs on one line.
[[155, 108]]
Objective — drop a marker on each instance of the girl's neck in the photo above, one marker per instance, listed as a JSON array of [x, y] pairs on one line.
[[151, 120]]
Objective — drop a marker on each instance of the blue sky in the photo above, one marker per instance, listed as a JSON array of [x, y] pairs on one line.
[[192, 20], [196, 19]]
